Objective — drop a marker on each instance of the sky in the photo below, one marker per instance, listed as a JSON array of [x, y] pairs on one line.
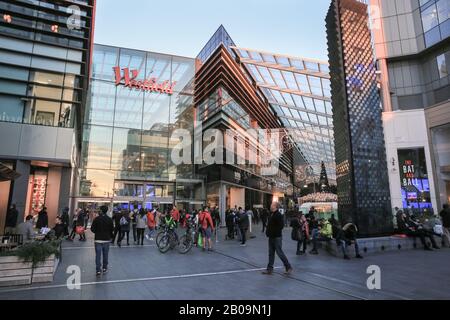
[[182, 27]]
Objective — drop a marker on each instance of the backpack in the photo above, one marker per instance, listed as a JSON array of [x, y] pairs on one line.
[[123, 221]]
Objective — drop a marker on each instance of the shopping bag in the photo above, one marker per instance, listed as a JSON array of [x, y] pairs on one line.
[[79, 230], [200, 240]]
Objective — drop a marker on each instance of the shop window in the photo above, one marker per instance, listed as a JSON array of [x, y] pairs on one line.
[[11, 108], [41, 112]]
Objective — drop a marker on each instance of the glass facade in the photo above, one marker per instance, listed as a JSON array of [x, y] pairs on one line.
[[440, 137], [435, 16], [42, 62], [127, 132]]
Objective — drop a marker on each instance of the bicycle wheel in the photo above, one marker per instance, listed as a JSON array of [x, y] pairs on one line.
[[164, 243], [159, 236], [185, 244]]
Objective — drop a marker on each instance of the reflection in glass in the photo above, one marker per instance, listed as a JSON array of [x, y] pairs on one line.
[[101, 103], [96, 149], [126, 150], [128, 110]]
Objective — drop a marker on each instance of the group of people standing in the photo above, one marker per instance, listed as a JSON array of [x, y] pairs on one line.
[[239, 222]]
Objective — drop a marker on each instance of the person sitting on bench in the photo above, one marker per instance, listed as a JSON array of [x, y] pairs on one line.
[[414, 229], [345, 237], [323, 233]]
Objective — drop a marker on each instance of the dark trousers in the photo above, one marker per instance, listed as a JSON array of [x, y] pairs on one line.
[[135, 238], [275, 246], [101, 251], [115, 234], [264, 223], [230, 232], [244, 235], [299, 245], [422, 234], [140, 236], [122, 235], [316, 237]]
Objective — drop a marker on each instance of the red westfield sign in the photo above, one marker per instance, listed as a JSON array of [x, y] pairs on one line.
[[150, 85]]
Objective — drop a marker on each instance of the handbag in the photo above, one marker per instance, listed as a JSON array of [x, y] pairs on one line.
[[79, 230]]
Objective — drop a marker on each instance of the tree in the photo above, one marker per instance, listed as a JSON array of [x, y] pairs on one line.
[[323, 182]]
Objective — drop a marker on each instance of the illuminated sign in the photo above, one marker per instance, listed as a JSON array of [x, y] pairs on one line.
[[128, 79]]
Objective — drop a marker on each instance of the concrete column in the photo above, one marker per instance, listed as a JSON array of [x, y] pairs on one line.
[[52, 194], [64, 189], [222, 202], [20, 187]]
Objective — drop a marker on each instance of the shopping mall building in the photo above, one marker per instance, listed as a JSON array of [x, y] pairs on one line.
[[94, 124], [138, 100]]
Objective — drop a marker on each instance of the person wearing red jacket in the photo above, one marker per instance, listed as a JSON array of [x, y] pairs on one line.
[[175, 214], [207, 228], [151, 224]]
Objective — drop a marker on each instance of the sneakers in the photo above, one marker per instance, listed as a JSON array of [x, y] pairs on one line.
[[98, 273], [105, 271], [151, 239], [267, 272], [203, 249], [243, 245], [146, 237]]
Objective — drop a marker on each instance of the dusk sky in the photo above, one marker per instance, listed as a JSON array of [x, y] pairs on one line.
[[182, 27]]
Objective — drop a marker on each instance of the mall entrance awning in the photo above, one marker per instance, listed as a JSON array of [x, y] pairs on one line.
[[7, 174]]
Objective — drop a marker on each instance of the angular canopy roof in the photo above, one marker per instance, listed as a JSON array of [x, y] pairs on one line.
[[298, 90]]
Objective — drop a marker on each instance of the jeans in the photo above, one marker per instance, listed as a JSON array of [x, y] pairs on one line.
[[101, 249], [344, 246], [140, 236], [264, 224], [150, 233], [275, 245]]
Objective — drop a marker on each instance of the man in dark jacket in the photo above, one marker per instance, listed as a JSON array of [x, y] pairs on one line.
[[11, 220], [243, 223], [445, 216], [42, 221], [274, 233], [65, 219], [102, 227]]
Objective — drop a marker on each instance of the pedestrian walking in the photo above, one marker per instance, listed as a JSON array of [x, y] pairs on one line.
[[80, 228], [243, 223], [134, 215], [151, 224], [11, 220], [65, 219], [124, 228], [102, 227], [141, 224], [300, 233], [274, 233], [117, 215], [207, 227], [229, 222]]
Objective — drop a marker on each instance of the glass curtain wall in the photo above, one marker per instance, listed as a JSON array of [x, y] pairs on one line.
[[126, 130]]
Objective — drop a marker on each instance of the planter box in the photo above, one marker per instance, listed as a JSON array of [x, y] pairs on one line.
[[15, 272]]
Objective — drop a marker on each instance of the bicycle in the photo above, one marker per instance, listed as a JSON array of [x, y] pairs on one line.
[[168, 239]]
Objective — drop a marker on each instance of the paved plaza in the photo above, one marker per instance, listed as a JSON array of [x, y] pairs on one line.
[[234, 272]]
